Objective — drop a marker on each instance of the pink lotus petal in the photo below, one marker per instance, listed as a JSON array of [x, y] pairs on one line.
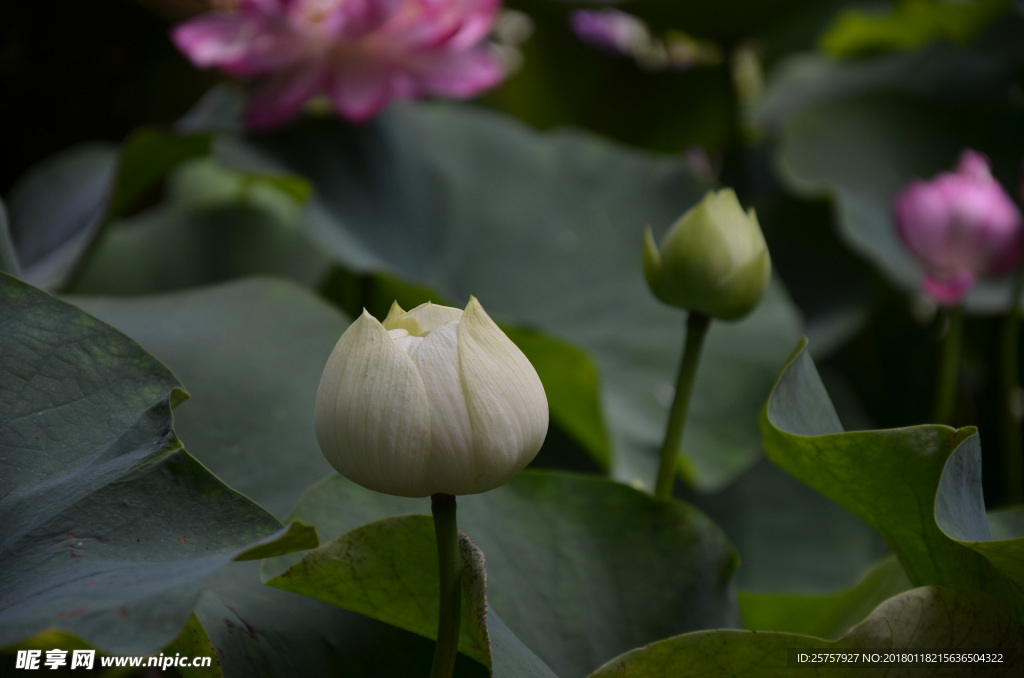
[[921, 219], [355, 19], [268, 52], [420, 26], [413, 25], [474, 19], [212, 39], [1006, 258], [948, 291], [459, 74], [263, 8], [361, 91], [974, 165], [280, 98], [236, 47]]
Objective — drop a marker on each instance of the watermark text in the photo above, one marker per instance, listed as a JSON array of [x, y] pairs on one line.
[[30, 660]]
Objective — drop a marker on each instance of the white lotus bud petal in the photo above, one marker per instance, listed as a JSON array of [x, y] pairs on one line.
[[370, 429], [451, 441], [508, 409], [422, 319]]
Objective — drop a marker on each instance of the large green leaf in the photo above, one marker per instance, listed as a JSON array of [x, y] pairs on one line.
[[806, 79], [920, 487], [828, 615], [571, 384], [909, 24], [8, 256], [561, 552], [145, 159], [57, 208], [545, 229], [215, 224], [388, 570], [789, 537], [60, 206], [980, 75], [929, 619], [262, 631], [959, 513], [110, 530], [1007, 523], [251, 353]]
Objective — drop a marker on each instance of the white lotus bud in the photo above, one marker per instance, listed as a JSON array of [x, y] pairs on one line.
[[434, 400]]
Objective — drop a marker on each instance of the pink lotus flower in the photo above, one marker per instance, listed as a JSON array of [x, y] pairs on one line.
[[962, 226], [359, 53]]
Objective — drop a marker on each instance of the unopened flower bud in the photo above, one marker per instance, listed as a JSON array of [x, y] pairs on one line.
[[434, 400], [713, 260], [961, 225]]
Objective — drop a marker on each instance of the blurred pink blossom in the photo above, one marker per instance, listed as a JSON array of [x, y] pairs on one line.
[[961, 225], [609, 29], [359, 53]]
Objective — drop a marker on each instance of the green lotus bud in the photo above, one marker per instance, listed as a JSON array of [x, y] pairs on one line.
[[436, 400], [713, 260]]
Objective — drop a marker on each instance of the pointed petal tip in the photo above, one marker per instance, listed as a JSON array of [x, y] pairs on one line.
[[652, 256], [367, 318], [475, 312], [394, 313]]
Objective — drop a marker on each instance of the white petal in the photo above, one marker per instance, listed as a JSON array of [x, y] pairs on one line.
[[421, 320], [451, 468], [372, 417], [405, 341], [508, 410]]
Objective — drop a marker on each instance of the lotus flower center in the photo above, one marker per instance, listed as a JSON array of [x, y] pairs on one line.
[[315, 11], [405, 341]]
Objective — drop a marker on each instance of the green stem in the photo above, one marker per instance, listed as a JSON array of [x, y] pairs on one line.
[[696, 328], [1013, 455], [449, 565], [949, 367]]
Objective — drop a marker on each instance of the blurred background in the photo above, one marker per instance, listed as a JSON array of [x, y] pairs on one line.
[[814, 111]]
